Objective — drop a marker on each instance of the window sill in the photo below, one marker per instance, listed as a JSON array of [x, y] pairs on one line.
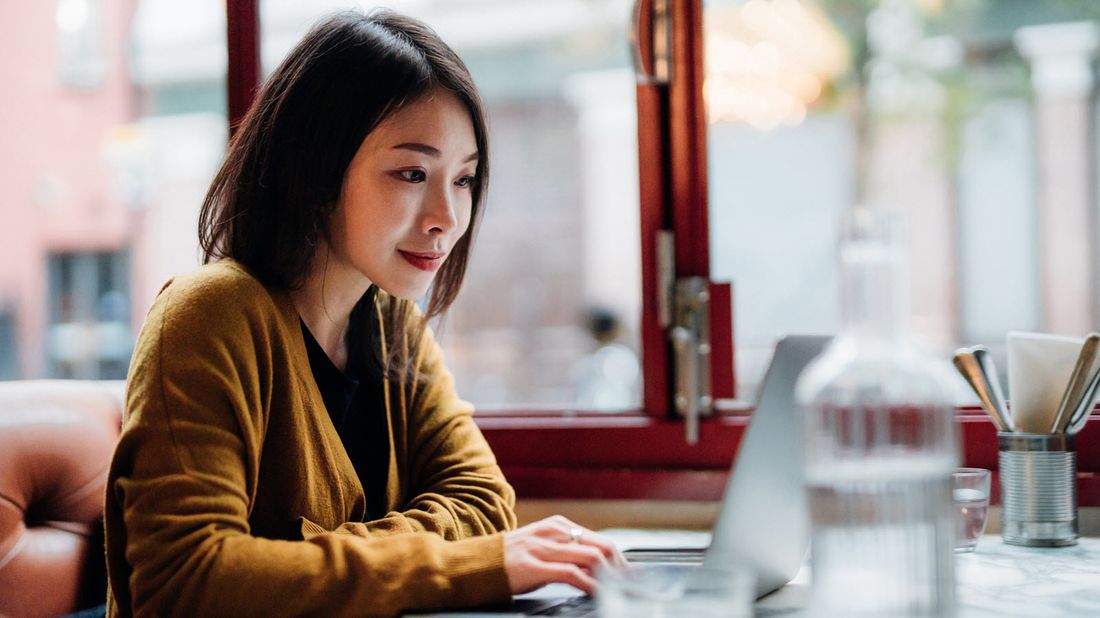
[[635, 457]]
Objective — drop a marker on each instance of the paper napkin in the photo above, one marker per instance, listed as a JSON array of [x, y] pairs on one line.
[[1039, 368]]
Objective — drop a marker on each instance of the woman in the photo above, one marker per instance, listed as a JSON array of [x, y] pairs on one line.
[[292, 443]]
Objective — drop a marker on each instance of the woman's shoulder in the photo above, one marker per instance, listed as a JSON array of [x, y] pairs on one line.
[[219, 292], [221, 278]]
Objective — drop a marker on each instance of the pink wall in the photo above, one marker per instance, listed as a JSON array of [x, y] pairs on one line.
[[55, 188]]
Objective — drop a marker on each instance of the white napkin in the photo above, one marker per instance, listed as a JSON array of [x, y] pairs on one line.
[[1039, 368]]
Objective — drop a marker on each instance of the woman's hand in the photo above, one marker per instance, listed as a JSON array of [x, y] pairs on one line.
[[556, 550]]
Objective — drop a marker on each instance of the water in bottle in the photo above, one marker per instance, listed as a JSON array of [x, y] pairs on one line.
[[880, 445]]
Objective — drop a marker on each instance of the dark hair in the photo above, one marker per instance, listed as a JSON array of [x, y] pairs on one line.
[[270, 202]]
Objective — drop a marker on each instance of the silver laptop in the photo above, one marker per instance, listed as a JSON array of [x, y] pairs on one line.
[[764, 519]]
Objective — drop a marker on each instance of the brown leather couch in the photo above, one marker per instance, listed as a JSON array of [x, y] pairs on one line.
[[56, 440]]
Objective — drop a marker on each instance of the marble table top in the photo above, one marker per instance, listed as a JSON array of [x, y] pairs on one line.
[[996, 580], [1006, 580]]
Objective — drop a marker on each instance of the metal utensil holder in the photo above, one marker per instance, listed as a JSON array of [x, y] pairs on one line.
[[1038, 489]]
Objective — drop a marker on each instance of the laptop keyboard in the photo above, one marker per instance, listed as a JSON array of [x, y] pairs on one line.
[[576, 607]]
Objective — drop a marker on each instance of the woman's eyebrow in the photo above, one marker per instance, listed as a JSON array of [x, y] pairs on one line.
[[431, 151]]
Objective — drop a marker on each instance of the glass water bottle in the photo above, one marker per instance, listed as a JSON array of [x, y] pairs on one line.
[[880, 444]]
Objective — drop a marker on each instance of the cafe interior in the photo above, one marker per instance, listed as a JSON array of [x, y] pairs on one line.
[[678, 188]]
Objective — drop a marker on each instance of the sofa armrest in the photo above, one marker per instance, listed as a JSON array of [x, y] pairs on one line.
[[56, 441]]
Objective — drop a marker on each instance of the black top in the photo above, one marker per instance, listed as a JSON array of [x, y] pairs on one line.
[[355, 400]]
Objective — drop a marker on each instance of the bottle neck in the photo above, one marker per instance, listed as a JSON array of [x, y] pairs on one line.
[[875, 291]]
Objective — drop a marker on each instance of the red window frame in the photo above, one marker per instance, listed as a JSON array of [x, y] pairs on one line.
[[643, 455]]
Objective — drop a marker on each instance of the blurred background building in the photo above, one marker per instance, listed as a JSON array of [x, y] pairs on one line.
[[975, 116]]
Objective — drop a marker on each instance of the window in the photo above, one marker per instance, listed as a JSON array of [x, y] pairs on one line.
[[545, 446], [89, 332], [975, 118], [101, 212], [549, 312], [977, 125]]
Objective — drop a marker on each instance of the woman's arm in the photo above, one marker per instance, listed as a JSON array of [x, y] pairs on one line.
[[451, 481], [183, 479]]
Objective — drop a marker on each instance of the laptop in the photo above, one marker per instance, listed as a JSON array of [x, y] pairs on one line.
[[763, 521]]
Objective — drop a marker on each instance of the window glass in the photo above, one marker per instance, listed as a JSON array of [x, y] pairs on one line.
[[114, 123], [549, 311], [975, 117], [89, 325]]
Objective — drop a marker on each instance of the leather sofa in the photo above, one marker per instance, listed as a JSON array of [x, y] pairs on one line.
[[56, 440]]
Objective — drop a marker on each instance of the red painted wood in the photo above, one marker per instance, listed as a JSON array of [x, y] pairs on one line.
[[652, 185], [243, 41], [638, 457], [688, 141], [673, 182], [1088, 445], [622, 442], [978, 438], [723, 383], [617, 483]]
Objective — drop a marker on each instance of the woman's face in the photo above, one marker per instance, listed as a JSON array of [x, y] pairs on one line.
[[408, 195]]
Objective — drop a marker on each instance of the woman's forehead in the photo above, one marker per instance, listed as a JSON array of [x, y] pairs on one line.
[[438, 119]]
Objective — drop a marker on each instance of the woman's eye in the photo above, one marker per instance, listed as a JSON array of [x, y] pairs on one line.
[[465, 181], [411, 175]]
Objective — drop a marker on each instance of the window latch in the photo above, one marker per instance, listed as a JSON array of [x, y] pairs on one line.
[[684, 313], [659, 70]]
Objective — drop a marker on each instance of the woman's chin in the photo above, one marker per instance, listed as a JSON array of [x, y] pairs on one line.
[[405, 292]]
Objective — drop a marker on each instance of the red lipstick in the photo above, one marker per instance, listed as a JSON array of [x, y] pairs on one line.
[[424, 261]]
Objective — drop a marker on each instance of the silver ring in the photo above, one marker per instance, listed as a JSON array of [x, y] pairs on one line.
[[575, 535]]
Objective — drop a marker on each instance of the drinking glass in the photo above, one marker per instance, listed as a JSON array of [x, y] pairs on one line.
[[970, 490]]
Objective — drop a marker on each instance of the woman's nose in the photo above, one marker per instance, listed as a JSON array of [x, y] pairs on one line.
[[440, 216]]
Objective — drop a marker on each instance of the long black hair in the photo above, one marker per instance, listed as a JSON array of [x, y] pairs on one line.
[[269, 204]]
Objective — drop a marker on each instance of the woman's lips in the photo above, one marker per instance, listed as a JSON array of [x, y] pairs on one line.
[[424, 261]]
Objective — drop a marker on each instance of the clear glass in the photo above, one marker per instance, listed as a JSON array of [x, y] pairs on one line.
[[976, 117], [114, 124], [549, 313], [880, 444], [970, 492], [657, 591]]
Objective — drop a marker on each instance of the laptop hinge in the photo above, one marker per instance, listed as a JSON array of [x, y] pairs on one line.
[[683, 311]]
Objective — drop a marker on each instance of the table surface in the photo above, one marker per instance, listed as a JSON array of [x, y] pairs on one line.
[[995, 580]]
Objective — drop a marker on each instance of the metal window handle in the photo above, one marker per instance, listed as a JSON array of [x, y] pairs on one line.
[[690, 339], [661, 43], [666, 277], [684, 345], [684, 310]]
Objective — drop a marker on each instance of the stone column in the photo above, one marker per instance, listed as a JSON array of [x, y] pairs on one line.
[[607, 129], [1061, 58]]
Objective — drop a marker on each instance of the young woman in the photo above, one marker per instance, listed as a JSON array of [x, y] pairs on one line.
[[292, 443]]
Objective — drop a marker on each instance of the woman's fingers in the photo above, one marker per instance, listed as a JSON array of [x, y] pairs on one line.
[[584, 556], [571, 574], [610, 552], [531, 563], [563, 529], [584, 536], [556, 550]]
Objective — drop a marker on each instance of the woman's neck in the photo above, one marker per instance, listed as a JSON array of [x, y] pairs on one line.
[[328, 294]]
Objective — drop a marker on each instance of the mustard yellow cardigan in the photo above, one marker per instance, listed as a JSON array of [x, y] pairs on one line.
[[230, 492]]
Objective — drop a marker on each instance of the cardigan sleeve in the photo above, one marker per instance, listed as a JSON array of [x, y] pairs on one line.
[[183, 478], [454, 486]]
